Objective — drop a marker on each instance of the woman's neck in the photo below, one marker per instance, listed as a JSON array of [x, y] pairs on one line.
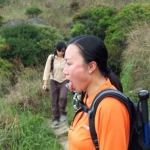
[[97, 81], [60, 56]]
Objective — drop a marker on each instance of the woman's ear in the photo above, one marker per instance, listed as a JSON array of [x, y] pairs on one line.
[[92, 66]]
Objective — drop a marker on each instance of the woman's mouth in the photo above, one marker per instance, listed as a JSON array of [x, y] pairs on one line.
[[70, 86]]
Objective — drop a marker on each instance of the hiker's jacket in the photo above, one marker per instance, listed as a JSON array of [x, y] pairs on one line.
[[111, 123], [58, 74]]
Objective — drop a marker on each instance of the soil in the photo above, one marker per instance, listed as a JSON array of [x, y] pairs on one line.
[[61, 131]]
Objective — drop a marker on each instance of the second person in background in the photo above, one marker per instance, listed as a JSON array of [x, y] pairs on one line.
[[54, 70]]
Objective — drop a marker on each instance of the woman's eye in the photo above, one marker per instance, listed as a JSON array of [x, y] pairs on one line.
[[68, 64]]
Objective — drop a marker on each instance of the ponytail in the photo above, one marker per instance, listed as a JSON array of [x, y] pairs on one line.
[[113, 79]]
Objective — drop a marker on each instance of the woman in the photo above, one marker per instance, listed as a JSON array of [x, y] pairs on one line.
[[54, 68], [86, 69]]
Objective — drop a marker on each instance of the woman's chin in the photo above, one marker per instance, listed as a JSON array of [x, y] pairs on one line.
[[78, 91]]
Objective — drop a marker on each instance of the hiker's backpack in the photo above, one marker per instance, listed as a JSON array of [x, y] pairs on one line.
[[137, 117]]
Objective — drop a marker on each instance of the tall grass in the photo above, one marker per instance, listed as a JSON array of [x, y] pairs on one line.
[[70, 110], [137, 54], [28, 131], [4, 84], [22, 115]]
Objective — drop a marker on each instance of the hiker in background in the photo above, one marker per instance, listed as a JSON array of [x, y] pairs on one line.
[[54, 69], [86, 69]]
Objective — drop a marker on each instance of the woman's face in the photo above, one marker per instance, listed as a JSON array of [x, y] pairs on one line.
[[76, 70], [61, 52]]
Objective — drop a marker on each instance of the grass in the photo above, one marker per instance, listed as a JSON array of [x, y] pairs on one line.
[[24, 131], [137, 54], [50, 11], [23, 114], [70, 110]]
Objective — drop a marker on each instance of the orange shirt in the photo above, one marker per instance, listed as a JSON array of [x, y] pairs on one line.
[[112, 125]]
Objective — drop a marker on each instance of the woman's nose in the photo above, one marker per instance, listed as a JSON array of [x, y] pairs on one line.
[[65, 70]]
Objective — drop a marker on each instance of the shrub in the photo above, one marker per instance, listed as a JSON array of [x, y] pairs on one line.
[[114, 52], [77, 29], [29, 44], [22, 40], [33, 11], [94, 21], [50, 36], [111, 26], [2, 1], [124, 22], [2, 44]]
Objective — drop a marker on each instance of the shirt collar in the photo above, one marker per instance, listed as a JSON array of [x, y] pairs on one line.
[[106, 84]]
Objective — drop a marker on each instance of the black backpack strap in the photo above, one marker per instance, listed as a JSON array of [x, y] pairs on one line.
[[81, 103], [84, 107], [142, 144], [52, 65], [99, 97], [78, 111]]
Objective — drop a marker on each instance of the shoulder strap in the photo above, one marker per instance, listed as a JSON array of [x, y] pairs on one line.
[[99, 97], [52, 65]]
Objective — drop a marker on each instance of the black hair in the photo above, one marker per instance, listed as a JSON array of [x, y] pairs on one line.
[[93, 48], [59, 46]]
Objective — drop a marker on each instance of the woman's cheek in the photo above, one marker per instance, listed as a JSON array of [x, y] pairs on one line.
[[72, 70]]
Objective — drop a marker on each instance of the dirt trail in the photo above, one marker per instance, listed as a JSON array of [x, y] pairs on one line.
[[62, 132]]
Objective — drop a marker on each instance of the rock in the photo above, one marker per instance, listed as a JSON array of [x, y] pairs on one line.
[[61, 131], [11, 23], [37, 21]]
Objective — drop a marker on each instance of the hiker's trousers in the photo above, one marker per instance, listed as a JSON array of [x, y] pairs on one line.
[[58, 95]]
